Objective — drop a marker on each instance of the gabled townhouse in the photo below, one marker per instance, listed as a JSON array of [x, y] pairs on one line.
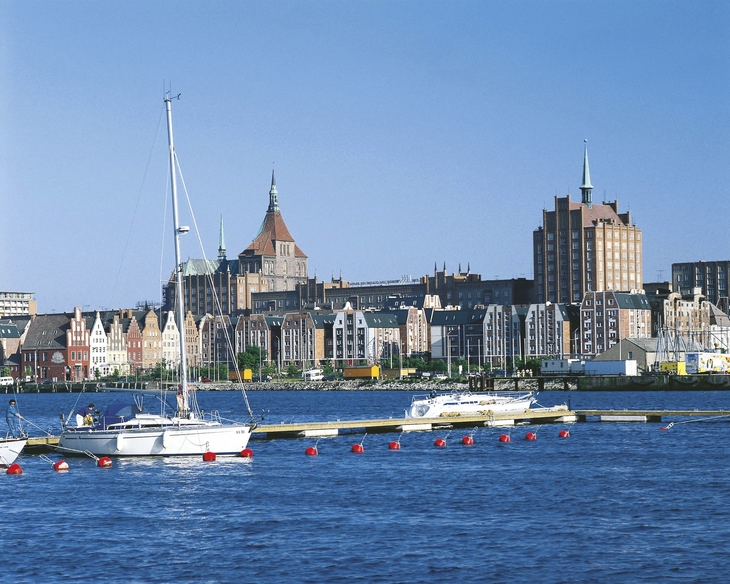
[[151, 340], [78, 341], [98, 344], [134, 340], [192, 340], [116, 347], [170, 335]]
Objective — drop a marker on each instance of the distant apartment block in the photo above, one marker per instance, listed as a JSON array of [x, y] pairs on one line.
[[17, 304], [607, 317], [584, 247], [710, 277]]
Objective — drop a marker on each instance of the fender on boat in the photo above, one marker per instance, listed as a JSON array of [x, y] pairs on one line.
[[120, 442]]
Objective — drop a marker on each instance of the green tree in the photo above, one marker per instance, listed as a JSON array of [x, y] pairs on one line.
[[251, 358], [5, 372], [293, 371]]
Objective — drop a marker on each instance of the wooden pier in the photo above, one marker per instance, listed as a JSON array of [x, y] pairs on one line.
[[558, 414]]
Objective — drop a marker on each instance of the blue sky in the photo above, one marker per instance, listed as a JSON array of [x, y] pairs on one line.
[[403, 133]]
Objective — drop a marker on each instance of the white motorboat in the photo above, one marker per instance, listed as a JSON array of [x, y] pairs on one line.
[[134, 432], [10, 449], [455, 404]]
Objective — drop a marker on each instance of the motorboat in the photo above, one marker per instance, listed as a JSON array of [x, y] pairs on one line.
[[10, 449], [456, 403], [186, 430]]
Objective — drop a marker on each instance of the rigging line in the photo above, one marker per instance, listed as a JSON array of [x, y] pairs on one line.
[[710, 419], [136, 206], [162, 243], [209, 274]]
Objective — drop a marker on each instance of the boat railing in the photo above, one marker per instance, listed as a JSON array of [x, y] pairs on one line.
[[452, 394], [213, 416]]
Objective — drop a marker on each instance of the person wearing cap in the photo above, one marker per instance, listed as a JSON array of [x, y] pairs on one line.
[[85, 416], [12, 417]]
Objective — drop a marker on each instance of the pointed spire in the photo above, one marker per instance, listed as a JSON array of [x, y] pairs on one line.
[[273, 195], [460, 268], [586, 187], [221, 243]]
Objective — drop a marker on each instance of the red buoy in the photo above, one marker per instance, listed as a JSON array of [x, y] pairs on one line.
[[14, 469], [530, 436], [247, 453], [61, 465], [504, 438], [394, 446], [467, 440], [358, 448], [104, 462], [311, 451], [209, 456], [564, 434], [440, 442]]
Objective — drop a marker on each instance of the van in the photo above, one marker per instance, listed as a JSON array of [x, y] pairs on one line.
[[6, 381]]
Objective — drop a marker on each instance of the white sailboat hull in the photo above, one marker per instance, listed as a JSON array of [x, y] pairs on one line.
[[10, 449], [188, 440], [456, 404]]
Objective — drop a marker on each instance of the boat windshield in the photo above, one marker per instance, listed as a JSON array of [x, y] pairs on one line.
[[116, 413]]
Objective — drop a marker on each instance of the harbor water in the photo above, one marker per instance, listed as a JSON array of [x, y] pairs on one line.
[[615, 502]]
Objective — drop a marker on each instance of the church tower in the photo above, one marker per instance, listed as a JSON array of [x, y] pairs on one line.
[[273, 253]]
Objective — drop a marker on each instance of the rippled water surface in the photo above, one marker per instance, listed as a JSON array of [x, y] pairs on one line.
[[613, 503]]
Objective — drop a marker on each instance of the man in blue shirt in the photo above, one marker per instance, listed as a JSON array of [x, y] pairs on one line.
[[85, 416], [12, 417]]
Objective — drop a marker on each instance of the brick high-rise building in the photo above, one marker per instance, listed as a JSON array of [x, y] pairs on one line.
[[583, 247]]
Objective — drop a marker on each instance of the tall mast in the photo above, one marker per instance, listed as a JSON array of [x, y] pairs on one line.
[[178, 264]]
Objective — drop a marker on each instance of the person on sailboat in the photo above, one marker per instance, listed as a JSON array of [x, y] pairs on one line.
[[85, 416], [180, 400], [13, 417]]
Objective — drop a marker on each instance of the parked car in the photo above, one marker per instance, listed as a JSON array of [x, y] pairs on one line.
[[206, 380]]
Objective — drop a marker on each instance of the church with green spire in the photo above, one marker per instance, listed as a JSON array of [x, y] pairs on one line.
[[272, 262]]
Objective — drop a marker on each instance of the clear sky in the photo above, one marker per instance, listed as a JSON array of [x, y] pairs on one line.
[[403, 133]]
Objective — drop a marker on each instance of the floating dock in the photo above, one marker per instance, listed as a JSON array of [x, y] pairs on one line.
[[556, 415]]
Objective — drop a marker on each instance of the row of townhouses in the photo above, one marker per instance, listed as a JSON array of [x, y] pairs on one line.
[[77, 346]]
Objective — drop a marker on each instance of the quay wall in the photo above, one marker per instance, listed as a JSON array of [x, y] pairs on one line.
[[583, 383]]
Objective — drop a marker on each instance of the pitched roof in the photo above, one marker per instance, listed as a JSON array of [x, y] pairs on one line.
[[198, 267], [627, 300], [9, 330], [380, 320], [47, 332], [272, 229], [596, 212]]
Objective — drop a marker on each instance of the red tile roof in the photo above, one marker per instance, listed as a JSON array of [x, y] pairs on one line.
[[273, 229]]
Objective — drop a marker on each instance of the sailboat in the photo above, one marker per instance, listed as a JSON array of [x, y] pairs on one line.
[[130, 431], [10, 449]]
